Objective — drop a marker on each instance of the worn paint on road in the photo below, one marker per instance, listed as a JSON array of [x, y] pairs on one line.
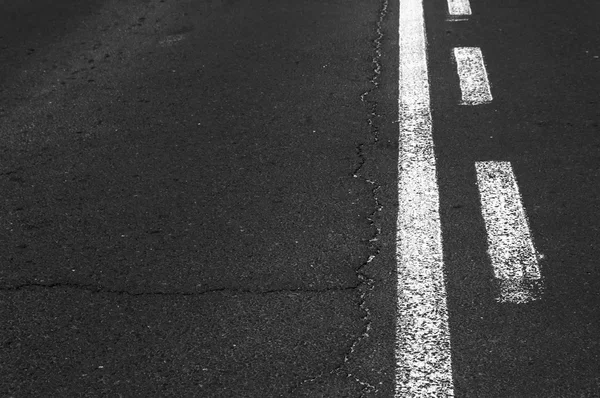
[[474, 83], [459, 8], [510, 246], [423, 342]]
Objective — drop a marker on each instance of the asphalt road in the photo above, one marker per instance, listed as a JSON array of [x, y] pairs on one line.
[[199, 198]]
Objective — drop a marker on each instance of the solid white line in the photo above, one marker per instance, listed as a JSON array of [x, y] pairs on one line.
[[423, 363], [510, 246], [473, 77], [459, 7]]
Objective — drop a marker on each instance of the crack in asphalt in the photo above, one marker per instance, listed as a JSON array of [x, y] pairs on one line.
[[224, 290], [366, 283]]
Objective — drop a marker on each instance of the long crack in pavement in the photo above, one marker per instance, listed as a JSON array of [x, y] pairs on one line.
[[224, 290], [366, 283]]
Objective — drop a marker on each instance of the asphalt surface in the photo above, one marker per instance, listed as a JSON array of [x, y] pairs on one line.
[[183, 213], [543, 65], [199, 198]]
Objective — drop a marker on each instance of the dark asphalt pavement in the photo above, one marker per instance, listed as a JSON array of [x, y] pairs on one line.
[[199, 197], [543, 65], [185, 206]]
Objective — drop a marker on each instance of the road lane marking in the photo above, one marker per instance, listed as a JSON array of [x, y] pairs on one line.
[[423, 362], [458, 9], [474, 83], [510, 246]]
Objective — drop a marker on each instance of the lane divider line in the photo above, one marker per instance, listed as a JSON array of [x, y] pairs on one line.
[[423, 358], [459, 9], [474, 83], [510, 247]]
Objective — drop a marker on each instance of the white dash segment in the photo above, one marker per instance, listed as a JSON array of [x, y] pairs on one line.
[[459, 8], [474, 83], [423, 361], [510, 246]]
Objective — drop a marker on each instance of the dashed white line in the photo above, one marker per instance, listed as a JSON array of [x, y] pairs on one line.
[[474, 83], [510, 246], [459, 8], [423, 362]]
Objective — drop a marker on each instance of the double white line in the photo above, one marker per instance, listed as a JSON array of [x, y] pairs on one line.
[[423, 359]]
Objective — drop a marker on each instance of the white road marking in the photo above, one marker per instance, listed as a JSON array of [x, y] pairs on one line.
[[473, 77], [459, 8], [510, 246], [423, 362]]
